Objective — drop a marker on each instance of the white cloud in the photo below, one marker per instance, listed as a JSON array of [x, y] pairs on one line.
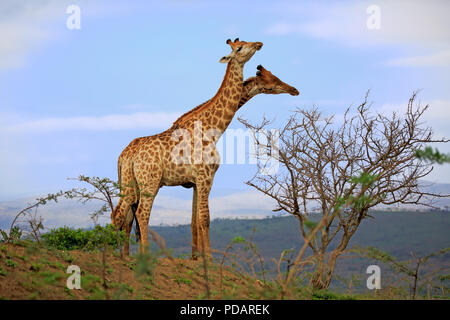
[[26, 26], [438, 59], [167, 210], [410, 23], [244, 201], [173, 210], [405, 21], [437, 116], [108, 122]]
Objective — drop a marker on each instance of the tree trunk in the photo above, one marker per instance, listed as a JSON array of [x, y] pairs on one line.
[[323, 274]]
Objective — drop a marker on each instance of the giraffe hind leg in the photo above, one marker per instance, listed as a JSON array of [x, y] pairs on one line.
[[143, 211]]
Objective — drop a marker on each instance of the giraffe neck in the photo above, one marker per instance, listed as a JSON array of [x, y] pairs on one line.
[[250, 89], [220, 111]]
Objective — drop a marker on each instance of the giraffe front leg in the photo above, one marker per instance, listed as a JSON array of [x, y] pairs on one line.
[[119, 216], [194, 225], [203, 243]]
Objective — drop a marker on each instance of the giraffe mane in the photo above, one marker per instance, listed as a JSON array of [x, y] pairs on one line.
[[186, 114]]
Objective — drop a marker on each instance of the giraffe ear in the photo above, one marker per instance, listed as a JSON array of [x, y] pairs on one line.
[[225, 59]]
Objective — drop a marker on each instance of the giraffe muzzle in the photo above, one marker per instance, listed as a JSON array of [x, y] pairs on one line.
[[293, 91], [258, 45]]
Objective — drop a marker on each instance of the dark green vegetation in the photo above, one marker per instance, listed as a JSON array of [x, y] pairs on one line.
[[398, 233], [433, 156], [66, 238]]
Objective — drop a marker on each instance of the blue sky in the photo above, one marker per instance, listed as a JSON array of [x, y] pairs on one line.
[[71, 100]]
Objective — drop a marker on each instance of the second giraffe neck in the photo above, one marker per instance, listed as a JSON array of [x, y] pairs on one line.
[[249, 90]]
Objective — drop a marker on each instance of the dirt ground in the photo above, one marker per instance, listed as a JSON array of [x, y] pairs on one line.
[[31, 272]]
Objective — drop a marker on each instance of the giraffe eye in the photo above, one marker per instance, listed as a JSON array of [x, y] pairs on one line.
[[239, 49]]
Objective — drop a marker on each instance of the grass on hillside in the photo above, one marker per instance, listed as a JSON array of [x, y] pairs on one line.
[[28, 271]]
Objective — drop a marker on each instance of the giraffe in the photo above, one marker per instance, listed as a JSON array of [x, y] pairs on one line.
[[264, 82], [172, 158]]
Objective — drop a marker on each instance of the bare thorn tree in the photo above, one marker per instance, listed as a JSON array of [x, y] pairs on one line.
[[344, 170], [30, 217], [105, 190]]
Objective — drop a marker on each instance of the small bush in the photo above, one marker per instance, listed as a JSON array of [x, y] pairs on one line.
[[10, 263], [36, 267], [66, 238], [14, 235], [179, 279], [327, 295]]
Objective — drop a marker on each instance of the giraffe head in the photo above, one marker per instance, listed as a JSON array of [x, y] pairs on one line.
[[267, 83], [241, 51]]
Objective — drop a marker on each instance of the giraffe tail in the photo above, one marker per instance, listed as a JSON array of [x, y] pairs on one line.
[[119, 184]]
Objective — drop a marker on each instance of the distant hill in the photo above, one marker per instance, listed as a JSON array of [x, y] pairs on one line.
[[398, 233], [173, 206]]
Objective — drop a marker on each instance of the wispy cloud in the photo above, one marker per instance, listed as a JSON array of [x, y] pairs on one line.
[[411, 23], [167, 210], [438, 59], [137, 120], [437, 115], [27, 26], [24, 27]]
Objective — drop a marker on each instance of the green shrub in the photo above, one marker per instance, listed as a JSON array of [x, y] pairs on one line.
[[179, 279], [35, 267], [14, 235], [10, 263], [327, 295], [66, 238]]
